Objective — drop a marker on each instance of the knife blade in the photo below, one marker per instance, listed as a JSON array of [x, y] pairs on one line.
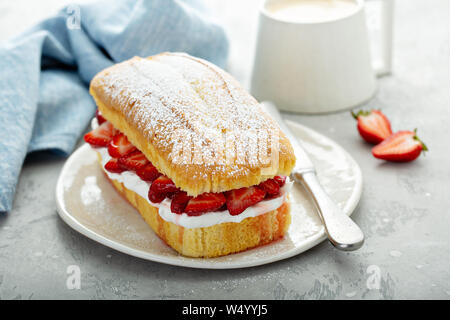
[[342, 232]]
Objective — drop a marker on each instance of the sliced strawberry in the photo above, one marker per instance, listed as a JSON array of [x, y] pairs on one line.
[[100, 118], [148, 173], [402, 146], [373, 126], [155, 197], [120, 146], [206, 202], [240, 199], [101, 136], [271, 187], [179, 202], [170, 195], [163, 185], [114, 166], [281, 180], [134, 161]]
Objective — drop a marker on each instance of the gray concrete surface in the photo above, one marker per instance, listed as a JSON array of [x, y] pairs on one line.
[[404, 210]]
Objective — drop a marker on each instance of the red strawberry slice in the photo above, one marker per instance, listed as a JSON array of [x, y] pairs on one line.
[[161, 188], [120, 146], [101, 136], [163, 185], [148, 173], [206, 202], [240, 199], [114, 166], [179, 202], [281, 180], [100, 118], [155, 197], [402, 146], [271, 187], [373, 126], [133, 161], [172, 194]]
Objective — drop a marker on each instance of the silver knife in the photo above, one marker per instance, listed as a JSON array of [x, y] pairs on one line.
[[342, 232]]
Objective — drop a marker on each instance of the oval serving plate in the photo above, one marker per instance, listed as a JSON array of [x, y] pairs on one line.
[[89, 204]]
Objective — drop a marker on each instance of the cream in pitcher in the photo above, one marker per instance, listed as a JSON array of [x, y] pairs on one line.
[[309, 11]]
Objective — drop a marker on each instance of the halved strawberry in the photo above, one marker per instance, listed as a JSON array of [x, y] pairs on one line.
[[114, 166], [402, 146], [281, 180], [101, 136], [163, 185], [373, 125], [148, 172], [161, 188], [170, 195], [271, 187], [100, 118], [120, 146], [179, 202], [155, 197], [134, 161], [240, 199], [206, 202]]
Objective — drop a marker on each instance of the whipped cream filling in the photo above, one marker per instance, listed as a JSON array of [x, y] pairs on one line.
[[133, 182]]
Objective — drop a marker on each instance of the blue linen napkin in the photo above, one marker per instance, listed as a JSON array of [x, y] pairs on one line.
[[45, 72]]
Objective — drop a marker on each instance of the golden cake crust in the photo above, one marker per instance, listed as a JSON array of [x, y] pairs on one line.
[[214, 241], [157, 100]]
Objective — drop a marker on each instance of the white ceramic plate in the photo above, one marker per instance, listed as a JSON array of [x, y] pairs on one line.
[[88, 203]]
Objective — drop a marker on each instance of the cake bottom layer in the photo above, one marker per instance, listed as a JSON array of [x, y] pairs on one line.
[[216, 240]]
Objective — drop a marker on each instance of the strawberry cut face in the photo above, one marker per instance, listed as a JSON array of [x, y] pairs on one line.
[[163, 185], [240, 199], [281, 180], [114, 166], [148, 172], [161, 188], [134, 161], [120, 146], [206, 202], [271, 187], [403, 146], [179, 202], [373, 126], [100, 136], [156, 197]]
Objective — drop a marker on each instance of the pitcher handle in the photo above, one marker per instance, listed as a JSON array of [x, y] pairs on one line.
[[384, 67]]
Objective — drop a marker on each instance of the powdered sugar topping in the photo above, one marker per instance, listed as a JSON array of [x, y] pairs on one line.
[[176, 97]]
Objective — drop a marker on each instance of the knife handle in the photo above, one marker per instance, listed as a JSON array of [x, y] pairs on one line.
[[342, 232]]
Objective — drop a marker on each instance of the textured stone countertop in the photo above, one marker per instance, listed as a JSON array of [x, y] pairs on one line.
[[404, 210]]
